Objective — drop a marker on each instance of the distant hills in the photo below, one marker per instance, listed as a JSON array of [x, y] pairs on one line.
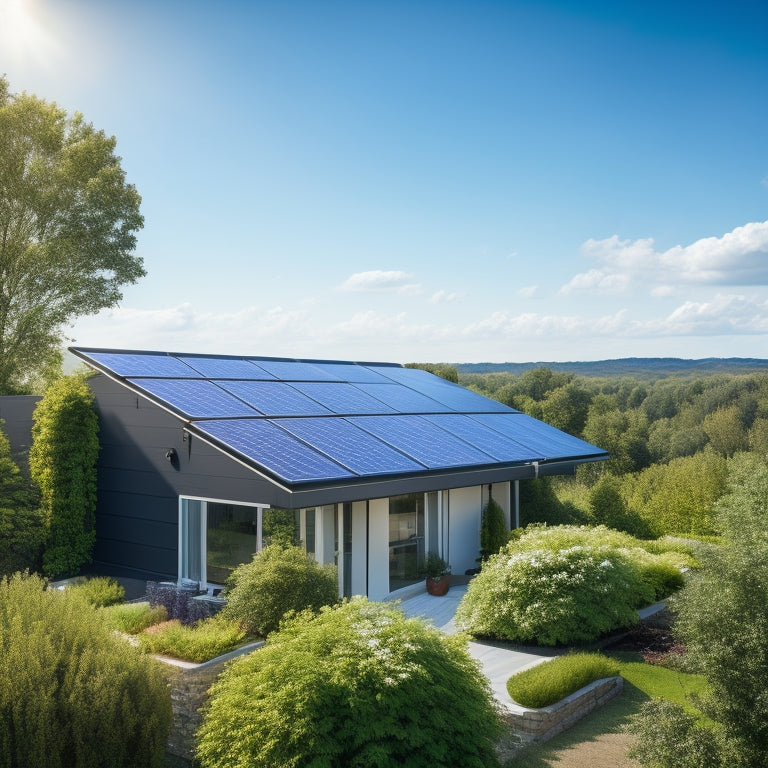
[[634, 367]]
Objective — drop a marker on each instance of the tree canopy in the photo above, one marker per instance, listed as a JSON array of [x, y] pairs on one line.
[[68, 223]]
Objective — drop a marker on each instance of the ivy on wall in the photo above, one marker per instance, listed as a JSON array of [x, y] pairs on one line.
[[62, 461]]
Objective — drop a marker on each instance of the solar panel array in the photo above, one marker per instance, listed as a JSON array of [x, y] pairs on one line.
[[308, 421]]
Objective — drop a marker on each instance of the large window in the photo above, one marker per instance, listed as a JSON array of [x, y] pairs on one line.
[[406, 539]]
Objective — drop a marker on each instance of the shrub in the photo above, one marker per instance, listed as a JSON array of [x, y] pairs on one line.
[[551, 681], [668, 737], [548, 598], [493, 529], [22, 534], [62, 461], [178, 602], [132, 618], [72, 695], [200, 642], [358, 684], [101, 591], [276, 581]]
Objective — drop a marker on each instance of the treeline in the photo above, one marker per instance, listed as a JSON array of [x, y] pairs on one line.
[[670, 442]]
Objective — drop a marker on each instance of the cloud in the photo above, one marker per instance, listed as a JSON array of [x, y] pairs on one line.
[[381, 281], [443, 297], [739, 257], [528, 291]]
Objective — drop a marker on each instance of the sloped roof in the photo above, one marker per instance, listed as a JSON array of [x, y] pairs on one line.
[[312, 422]]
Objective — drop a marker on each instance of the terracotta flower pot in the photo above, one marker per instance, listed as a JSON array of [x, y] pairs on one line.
[[438, 587]]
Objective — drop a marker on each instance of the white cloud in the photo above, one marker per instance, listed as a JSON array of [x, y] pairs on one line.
[[739, 257], [528, 291], [443, 297], [381, 281]]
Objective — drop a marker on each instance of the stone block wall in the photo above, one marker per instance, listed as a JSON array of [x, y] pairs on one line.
[[542, 724]]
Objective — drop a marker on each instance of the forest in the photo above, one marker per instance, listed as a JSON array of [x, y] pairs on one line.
[[673, 441]]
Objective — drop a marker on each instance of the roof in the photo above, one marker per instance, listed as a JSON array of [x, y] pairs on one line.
[[315, 422]]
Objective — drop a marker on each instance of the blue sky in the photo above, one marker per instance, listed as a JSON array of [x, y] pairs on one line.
[[433, 181]]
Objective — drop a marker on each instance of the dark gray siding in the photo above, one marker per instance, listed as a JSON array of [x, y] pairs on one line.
[[16, 413], [138, 488]]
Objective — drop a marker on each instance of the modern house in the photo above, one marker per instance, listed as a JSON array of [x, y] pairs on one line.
[[373, 463]]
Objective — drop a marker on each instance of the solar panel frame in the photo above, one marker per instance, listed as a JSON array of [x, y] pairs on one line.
[[274, 450], [423, 441], [274, 398], [216, 367], [195, 398], [354, 448]]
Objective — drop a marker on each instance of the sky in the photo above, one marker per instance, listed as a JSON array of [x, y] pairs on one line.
[[433, 181]]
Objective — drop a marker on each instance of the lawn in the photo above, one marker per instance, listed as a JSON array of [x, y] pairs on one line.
[[597, 741]]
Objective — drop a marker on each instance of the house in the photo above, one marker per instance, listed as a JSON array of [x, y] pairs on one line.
[[373, 464]]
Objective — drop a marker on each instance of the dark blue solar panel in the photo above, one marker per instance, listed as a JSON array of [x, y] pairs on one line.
[[290, 370], [195, 398], [360, 451], [274, 449], [139, 364], [226, 368], [459, 399], [274, 398], [539, 438], [410, 377], [351, 372], [499, 446], [423, 441], [342, 399], [402, 399]]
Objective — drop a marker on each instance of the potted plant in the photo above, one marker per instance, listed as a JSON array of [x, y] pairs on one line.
[[438, 574]]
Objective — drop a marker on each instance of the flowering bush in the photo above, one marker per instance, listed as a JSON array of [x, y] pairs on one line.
[[549, 598], [358, 684]]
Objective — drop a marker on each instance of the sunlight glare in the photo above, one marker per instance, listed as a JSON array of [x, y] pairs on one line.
[[23, 36]]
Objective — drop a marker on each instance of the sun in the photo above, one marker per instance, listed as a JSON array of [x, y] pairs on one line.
[[23, 35]]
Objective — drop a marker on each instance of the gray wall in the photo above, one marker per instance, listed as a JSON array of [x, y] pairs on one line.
[[16, 413]]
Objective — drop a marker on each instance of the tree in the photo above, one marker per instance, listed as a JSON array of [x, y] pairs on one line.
[[65, 446], [357, 685], [67, 232]]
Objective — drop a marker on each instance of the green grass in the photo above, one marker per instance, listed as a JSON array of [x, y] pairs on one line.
[[133, 618], [198, 642], [641, 682], [551, 681]]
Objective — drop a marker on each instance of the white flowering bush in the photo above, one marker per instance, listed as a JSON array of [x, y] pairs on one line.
[[549, 597], [358, 684]]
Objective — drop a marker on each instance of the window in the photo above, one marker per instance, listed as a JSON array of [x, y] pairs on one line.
[[406, 539]]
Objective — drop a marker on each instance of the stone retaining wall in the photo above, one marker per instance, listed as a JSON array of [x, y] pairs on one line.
[[542, 724]]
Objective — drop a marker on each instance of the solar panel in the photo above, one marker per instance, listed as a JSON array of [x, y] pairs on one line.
[[143, 364], [195, 398], [423, 441], [342, 398], [295, 370], [459, 399], [402, 399], [360, 451], [539, 439], [410, 377], [501, 447], [274, 450], [352, 372], [274, 398], [226, 368]]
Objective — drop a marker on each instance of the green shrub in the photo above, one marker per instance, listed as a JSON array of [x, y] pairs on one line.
[[494, 533], [278, 580], [72, 695], [132, 618], [551, 681], [205, 640], [358, 684], [550, 598], [101, 591], [62, 461], [668, 737], [22, 534]]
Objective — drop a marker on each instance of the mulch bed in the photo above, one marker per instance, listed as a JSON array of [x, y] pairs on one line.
[[651, 639]]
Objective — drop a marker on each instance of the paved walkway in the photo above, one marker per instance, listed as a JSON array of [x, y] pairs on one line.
[[498, 662]]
